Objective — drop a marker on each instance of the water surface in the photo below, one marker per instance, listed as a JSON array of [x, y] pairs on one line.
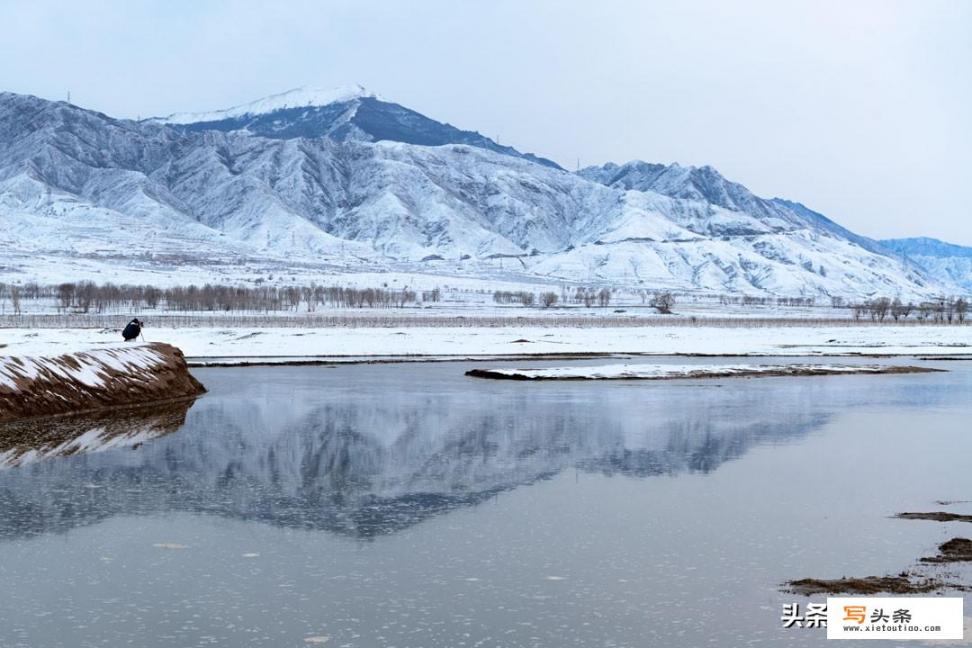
[[408, 505]]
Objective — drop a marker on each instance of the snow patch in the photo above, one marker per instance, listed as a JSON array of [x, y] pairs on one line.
[[663, 372]]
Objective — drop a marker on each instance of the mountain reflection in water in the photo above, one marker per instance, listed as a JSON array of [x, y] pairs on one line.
[[328, 456]]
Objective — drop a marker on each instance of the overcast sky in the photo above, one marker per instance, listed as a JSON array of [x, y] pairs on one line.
[[861, 110]]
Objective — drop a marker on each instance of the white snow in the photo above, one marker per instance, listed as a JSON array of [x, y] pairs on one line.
[[92, 368], [256, 344], [296, 98], [657, 372]]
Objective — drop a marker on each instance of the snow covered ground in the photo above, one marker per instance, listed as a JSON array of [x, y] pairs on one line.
[[253, 344], [92, 368]]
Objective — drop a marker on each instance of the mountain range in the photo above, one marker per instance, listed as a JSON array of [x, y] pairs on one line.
[[340, 182]]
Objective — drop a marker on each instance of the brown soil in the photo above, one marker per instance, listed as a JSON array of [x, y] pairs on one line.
[[901, 584], [49, 393], [955, 550], [936, 516], [802, 370]]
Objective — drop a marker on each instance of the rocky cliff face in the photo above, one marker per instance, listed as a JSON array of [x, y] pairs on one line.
[[93, 380]]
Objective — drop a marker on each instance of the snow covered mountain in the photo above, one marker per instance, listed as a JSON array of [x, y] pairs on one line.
[[362, 184], [945, 262], [707, 185], [350, 113]]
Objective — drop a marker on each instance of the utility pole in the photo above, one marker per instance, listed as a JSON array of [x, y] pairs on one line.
[[69, 96]]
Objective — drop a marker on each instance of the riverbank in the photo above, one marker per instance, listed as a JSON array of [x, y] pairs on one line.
[[42, 384]]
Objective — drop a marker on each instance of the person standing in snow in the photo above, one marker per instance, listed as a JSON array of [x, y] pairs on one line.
[[133, 330]]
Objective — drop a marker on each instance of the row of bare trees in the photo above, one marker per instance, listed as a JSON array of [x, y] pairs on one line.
[[87, 296], [754, 300], [663, 302], [525, 298], [941, 310], [587, 296], [591, 296], [522, 297]]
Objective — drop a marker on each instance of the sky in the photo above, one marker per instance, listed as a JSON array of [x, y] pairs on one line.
[[861, 110]]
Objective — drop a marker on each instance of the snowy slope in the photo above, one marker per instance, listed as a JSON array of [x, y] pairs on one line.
[[945, 262], [77, 186], [753, 214]]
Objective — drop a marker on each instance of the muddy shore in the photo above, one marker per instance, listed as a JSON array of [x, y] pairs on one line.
[[915, 581]]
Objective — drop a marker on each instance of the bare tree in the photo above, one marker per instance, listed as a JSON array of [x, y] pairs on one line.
[[65, 295], [587, 295], [961, 307], [879, 308], [604, 297], [548, 299], [663, 302], [900, 310]]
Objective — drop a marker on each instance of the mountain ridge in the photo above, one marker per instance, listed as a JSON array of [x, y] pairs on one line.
[[347, 113]]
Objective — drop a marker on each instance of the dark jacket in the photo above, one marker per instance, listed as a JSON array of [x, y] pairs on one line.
[[132, 331]]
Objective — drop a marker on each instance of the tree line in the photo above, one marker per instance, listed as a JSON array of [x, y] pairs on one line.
[[762, 300], [589, 297], [88, 297], [943, 310]]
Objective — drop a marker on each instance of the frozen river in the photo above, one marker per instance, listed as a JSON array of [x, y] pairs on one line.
[[407, 505]]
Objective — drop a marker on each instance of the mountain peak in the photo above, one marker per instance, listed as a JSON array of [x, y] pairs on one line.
[[341, 114], [296, 98]]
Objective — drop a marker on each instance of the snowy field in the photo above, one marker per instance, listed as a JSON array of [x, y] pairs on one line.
[[252, 344], [472, 298]]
